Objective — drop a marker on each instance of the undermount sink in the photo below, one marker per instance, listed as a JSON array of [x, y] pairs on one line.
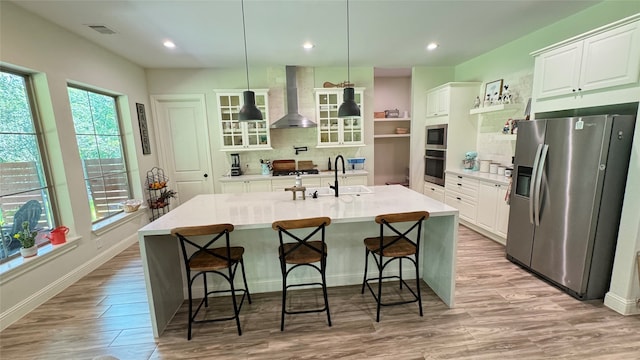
[[342, 190]]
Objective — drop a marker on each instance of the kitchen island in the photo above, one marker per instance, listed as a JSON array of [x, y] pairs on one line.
[[252, 214]]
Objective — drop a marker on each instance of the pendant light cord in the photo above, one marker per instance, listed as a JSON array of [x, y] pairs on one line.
[[348, 59], [244, 34]]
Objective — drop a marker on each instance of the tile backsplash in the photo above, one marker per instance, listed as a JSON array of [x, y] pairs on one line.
[[283, 142]]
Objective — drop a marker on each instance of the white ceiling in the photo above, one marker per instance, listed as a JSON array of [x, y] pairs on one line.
[[383, 33]]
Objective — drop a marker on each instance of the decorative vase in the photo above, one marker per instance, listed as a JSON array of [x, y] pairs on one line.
[[29, 252]]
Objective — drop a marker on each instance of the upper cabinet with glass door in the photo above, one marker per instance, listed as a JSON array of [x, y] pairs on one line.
[[242, 135], [332, 130]]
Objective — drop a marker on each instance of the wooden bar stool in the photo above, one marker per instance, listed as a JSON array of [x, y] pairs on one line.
[[394, 247], [302, 252], [203, 259]]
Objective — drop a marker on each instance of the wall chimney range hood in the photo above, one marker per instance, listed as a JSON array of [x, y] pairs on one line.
[[292, 119]]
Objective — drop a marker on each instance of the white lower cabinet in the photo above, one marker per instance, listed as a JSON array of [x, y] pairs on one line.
[[493, 210], [461, 192], [436, 192], [246, 186], [481, 204]]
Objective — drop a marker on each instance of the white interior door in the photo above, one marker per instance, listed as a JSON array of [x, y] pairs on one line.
[[183, 142]]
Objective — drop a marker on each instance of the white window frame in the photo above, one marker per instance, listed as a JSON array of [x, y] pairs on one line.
[[112, 207]]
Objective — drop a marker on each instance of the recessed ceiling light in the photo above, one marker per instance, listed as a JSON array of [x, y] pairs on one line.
[[308, 45], [169, 44], [432, 46]]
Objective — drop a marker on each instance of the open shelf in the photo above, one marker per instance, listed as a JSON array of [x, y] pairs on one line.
[[493, 108], [391, 119], [391, 136]]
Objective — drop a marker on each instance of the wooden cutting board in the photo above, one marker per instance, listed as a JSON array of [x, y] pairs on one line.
[[306, 165], [284, 165]]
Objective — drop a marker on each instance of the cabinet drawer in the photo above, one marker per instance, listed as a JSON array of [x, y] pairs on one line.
[[434, 191], [467, 208], [465, 186]]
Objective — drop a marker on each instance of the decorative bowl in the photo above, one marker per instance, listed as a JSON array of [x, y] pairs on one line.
[[132, 205]]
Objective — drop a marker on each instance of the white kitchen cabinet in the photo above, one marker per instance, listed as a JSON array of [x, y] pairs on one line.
[[438, 100], [434, 191], [461, 192], [502, 212], [332, 130], [493, 211], [246, 186], [242, 135], [603, 58]]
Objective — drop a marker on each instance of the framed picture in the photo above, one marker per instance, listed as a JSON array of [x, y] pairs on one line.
[[493, 87], [144, 131]]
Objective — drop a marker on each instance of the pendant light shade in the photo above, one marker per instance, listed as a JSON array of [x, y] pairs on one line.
[[349, 108], [249, 110]]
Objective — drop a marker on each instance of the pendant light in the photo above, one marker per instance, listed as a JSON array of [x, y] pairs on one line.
[[249, 110], [349, 108]]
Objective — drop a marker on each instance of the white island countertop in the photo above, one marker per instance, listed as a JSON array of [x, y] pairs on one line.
[[260, 210], [352, 219]]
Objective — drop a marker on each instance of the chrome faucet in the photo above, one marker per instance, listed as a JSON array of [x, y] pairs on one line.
[[335, 183]]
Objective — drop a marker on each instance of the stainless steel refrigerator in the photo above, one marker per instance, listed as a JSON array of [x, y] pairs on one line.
[[566, 199]]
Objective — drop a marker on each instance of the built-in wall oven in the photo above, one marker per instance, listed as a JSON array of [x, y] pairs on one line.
[[435, 156], [434, 165]]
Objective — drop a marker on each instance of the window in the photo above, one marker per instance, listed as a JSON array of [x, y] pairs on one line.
[[25, 193], [95, 118]]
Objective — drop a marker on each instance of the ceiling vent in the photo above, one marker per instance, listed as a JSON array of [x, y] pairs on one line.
[[102, 29]]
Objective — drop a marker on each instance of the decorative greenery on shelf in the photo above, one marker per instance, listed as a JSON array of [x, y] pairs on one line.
[[26, 236], [163, 199]]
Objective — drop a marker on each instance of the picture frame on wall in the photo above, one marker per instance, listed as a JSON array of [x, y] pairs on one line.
[[491, 88], [144, 130]]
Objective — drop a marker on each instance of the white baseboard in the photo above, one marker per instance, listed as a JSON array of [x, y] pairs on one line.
[[495, 237], [29, 304], [621, 305]]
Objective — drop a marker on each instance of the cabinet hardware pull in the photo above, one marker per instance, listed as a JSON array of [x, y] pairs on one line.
[[459, 198], [459, 184]]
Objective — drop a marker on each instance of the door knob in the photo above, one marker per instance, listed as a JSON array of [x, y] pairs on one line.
[[206, 175]]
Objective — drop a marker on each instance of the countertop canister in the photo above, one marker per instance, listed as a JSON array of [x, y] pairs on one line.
[[484, 165]]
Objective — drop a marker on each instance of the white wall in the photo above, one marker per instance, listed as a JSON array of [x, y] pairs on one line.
[[58, 57]]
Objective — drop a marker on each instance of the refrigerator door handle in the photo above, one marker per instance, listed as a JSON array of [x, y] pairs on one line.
[[532, 184], [538, 197]]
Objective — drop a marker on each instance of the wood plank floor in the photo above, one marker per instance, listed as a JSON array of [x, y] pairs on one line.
[[502, 312]]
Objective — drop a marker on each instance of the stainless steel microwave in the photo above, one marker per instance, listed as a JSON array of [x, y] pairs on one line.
[[436, 137]]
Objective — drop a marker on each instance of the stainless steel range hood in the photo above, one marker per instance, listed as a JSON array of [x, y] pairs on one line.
[[292, 119]]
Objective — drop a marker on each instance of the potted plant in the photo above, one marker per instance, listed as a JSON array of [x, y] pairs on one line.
[[27, 239]]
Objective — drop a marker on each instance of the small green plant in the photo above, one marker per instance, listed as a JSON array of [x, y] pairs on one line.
[[26, 236], [167, 194]]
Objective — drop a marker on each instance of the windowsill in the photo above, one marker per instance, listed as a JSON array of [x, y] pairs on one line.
[[112, 222], [19, 265]]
